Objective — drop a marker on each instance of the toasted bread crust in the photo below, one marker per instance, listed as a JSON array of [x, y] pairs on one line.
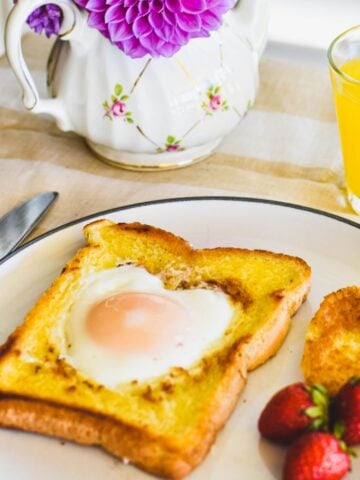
[[267, 341], [332, 344], [86, 428], [153, 451], [150, 453], [153, 454]]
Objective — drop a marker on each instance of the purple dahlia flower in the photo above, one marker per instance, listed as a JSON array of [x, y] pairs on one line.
[[154, 27], [46, 19]]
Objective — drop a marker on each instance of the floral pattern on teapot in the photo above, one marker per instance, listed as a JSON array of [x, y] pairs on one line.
[[117, 108], [172, 144], [214, 101]]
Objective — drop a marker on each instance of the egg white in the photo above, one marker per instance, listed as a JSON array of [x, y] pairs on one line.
[[210, 311]]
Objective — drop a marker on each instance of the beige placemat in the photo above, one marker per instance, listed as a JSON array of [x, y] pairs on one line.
[[286, 149]]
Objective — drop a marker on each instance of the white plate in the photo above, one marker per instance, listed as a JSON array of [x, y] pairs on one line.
[[329, 244]]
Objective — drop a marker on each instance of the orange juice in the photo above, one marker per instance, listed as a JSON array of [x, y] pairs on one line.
[[346, 87]]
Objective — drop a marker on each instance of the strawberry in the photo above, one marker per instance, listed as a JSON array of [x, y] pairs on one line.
[[294, 410], [347, 411], [316, 456]]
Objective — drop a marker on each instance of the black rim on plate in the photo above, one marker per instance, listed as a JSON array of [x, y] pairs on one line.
[[181, 200]]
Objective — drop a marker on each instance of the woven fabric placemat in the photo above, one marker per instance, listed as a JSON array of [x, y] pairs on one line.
[[286, 148]]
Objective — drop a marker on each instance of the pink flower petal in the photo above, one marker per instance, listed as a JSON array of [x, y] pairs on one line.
[[157, 6], [169, 17], [154, 27], [96, 19], [210, 21], [96, 5], [180, 37], [120, 31], [142, 27], [156, 20], [189, 23], [173, 5], [150, 41], [132, 14], [213, 3], [115, 13], [144, 7], [165, 32], [194, 6], [169, 49], [133, 48]]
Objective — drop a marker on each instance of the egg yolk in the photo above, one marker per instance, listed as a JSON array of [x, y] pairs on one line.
[[138, 322]]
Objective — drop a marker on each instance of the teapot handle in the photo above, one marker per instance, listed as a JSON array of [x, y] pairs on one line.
[[253, 17], [72, 19]]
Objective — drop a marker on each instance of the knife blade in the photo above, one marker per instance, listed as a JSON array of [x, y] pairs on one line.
[[19, 222]]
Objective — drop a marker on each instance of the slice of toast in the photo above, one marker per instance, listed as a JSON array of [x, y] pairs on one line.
[[165, 425], [332, 344]]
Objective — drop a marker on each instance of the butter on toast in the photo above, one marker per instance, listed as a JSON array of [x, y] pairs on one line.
[[165, 425], [332, 344]]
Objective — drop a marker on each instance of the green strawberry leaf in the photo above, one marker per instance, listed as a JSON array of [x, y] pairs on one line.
[[339, 429], [347, 449], [317, 424], [319, 398], [319, 412], [313, 412], [320, 388]]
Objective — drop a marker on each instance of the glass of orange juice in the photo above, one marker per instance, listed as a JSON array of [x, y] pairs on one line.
[[344, 59]]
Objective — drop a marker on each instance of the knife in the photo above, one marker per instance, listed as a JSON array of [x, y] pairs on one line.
[[19, 222]]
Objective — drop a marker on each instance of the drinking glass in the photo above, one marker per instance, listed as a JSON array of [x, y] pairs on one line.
[[344, 60]]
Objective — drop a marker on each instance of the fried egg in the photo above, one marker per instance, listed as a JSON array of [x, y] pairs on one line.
[[125, 326]]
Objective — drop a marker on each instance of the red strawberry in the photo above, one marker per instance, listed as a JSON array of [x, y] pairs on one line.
[[316, 456], [294, 410], [347, 411]]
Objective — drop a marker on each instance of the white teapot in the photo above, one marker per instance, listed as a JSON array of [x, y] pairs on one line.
[[5, 7], [147, 113]]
